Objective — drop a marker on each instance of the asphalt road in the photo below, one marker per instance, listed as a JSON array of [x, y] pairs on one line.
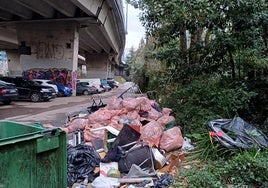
[[57, 110]]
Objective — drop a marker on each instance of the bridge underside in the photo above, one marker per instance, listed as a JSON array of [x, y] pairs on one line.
[[99, 23], [53, 34]]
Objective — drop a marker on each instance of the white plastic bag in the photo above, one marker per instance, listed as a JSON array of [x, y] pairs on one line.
[[105, 182]]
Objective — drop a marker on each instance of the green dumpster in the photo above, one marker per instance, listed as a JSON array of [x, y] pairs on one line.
[[32, 156]]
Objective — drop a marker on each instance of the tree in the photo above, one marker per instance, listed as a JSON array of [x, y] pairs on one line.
[[207, 44], [211, 33]]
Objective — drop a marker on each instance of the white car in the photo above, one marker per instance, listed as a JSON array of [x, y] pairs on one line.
[[93, 82], [47, 83]]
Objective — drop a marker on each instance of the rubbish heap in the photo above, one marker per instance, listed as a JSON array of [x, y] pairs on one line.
[[131, 142]]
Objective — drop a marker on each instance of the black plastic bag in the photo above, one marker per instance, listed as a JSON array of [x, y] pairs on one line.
[[140, 155], [236, 133], [164, 181], [126, 138], [81, 162]]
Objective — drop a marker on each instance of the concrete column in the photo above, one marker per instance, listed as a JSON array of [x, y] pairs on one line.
[[75, 61], [97, 65], [13, 63], [49, 45]]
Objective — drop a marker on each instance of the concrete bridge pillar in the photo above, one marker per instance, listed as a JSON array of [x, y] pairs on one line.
[[13, 60], [99, 66], [52, 46]]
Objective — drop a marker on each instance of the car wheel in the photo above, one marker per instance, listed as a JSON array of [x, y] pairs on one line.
[[35, 97], [7, 102], [60, 94], [85, 92]]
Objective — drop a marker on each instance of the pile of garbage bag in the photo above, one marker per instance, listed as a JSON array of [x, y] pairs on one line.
[[131, 141], [141, 113], [134, 142]]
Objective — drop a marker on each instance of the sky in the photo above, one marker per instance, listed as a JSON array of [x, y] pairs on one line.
[[135, 31]]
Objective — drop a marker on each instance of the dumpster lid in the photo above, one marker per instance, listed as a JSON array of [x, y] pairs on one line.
[[12, 132]]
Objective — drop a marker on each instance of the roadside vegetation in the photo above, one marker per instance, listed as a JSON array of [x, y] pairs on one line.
[[208, 60]]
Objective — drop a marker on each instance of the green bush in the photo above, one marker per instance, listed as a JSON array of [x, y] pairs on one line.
[[207, 149], [245, 169], [198, 101], [197, 178]]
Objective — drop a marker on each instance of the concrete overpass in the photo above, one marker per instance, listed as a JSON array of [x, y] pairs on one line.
[[48, 34]]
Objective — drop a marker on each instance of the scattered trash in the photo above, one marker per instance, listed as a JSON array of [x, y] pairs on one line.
[[236, 133], [109, 169], [125, 143], [187, 146], [81, 163], [77, 138], [171, 139], [164, 181], [85, 112], [160, 159], [105, 182], [94, 106], [134, 142], [141, 155], [136, 172]]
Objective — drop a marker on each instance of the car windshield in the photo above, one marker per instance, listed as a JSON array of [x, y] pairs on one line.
[[33, 83], [3, 82], [6, 83], [84, 84]]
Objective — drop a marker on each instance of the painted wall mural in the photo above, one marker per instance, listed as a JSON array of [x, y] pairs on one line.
[[63, 76]]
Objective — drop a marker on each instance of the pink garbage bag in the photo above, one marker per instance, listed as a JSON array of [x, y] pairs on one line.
[[151, 133], [101, 116], [115, 104], [165, 119], [154, 114], [133, 103], [166, 111], [171, 139], [90, 135], [134, 115], [76, 124]]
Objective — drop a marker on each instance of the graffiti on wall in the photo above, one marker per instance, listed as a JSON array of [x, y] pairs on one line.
[[49, 50], [74, 79], [62, 76]]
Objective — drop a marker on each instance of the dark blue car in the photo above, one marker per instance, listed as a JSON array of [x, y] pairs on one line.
[[63, 90]]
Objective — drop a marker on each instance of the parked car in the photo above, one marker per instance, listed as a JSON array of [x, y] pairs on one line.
[[63, 90], [8, 92], [105, 85], [112, 83], [47, 83], [96, 82], [29, 89], [83, 88]]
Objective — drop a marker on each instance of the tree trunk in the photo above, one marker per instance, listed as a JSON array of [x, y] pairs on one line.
[[231, 62]]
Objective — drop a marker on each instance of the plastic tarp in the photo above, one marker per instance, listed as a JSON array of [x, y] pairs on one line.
[[236, 133]]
